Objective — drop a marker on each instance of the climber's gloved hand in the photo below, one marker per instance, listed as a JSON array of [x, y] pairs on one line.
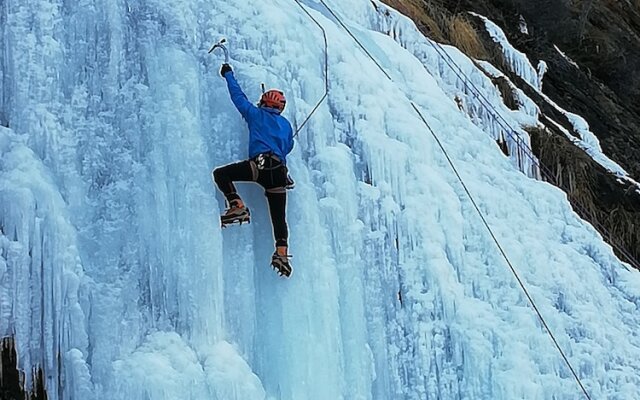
[[224, 69]]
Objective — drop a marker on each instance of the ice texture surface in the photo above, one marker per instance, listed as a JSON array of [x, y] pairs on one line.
[[115, 276]]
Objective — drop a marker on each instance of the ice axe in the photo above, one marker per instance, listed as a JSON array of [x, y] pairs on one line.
[[220, 45]]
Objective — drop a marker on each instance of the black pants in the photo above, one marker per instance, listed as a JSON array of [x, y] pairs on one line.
[[272, 176]]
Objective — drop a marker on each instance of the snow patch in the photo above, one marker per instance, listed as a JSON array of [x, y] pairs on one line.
[[522, 25], [518, 61], [588, 141], [566, 57], [165, 367]]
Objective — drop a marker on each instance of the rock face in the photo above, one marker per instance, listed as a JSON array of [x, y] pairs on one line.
[[592, 49], [603, 39], [12, 379]]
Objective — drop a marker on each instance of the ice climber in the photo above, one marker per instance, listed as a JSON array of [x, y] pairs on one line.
[[270, 140]]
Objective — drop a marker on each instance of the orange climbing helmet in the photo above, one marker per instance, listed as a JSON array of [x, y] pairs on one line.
[[273, 98]]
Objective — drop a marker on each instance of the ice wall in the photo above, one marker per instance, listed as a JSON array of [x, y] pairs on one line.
[[117, 114], [40, 270]]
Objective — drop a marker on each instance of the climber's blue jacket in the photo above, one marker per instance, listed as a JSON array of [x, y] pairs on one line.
[[268, 130]]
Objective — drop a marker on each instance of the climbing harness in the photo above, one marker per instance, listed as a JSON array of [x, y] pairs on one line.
[[260, 163], [261, 160], [486, 224]]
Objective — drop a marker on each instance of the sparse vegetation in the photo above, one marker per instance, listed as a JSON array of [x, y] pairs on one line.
[[509, 98], [464, 36], [444, 26], [419, 12], [603, 200]]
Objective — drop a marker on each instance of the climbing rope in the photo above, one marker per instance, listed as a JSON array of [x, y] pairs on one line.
[[484, 101], [486, 224], [326, 70], [524, 148]]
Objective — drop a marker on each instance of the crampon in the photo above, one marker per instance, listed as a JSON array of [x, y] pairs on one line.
[[281, 264], [235, 216]]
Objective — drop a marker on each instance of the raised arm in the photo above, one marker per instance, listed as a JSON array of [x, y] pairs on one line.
[[238, 97]]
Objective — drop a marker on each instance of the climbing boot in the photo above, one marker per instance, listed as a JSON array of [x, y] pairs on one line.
[[237, 213], [280, 261]]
